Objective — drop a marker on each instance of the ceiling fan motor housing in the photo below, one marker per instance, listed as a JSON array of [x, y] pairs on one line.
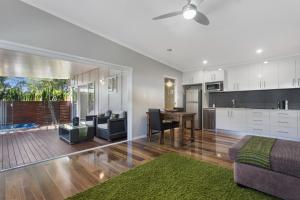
[[189, 11]]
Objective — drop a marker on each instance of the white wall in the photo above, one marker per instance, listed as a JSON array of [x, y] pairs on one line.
[[21, 23]]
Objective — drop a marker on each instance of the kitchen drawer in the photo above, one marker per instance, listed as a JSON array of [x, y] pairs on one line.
[[285, 131], [283, 114], [284, 121], [258, 114]]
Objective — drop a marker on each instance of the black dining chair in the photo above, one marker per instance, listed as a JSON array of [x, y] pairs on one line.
[[158, 125]]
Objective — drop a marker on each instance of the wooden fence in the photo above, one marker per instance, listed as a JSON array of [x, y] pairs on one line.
[[41, 113]]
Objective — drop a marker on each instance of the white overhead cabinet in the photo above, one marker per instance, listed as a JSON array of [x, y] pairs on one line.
[[214, 76], [197, 77], [286, 73], [192, 77], [237, 78], [269, 79], [298, 72]]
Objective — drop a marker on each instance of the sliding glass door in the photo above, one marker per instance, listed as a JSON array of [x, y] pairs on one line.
[[86, 98]]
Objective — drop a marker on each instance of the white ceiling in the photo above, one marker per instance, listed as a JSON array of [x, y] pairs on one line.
[[18, 64], [237, 29]]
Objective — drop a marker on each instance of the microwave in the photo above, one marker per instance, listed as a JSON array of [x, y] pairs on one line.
[[214, 86]]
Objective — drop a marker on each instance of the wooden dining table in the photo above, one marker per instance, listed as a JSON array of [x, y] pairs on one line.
[[182, 118]]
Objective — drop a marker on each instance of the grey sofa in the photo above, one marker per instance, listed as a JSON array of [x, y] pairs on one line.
[[282, 181]]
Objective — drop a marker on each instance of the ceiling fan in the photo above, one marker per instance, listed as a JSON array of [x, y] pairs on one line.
[[189, 11]]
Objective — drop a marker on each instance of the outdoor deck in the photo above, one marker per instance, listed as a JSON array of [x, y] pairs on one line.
[[22, 148]]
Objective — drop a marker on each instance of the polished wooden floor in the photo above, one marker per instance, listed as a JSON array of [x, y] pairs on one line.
[[26, 147], [64, 177]]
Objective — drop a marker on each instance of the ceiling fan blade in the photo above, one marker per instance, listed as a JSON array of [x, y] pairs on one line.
[[201, 19], [172, 14]]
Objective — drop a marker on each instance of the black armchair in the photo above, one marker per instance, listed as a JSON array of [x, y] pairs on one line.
[[112, 129], [158, 125]]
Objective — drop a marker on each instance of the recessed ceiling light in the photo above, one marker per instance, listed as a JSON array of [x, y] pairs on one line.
[[259, 51], [204, 62], [169, 50], [266, 62]]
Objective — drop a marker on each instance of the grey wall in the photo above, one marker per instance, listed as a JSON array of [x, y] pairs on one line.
[[24, 24], [265, 99]]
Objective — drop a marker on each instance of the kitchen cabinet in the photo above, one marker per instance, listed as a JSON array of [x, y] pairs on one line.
[[263, 122], [269, 78], [214, 76], [209, 119], [231, 119], [263, 76], [223, 119], [238, 120], [298, 72], [286, 73], [284, 123], [258, 121], [255, 77], [237, 78], [192, 77]]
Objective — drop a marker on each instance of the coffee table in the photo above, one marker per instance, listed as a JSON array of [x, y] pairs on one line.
[[76, 134]]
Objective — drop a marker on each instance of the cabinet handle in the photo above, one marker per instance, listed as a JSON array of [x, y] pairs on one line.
[[283, 132], [231, 113], [264, 84], [259, 84], [257, 113], [257, 120], [298, 82], [282, 122], [257, 129], [282, 113], [294, 80]]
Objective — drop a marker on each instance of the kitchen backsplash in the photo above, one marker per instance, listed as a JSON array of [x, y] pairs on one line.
[[261, 99]]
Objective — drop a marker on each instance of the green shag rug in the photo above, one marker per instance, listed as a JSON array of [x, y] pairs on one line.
[[171, 176]]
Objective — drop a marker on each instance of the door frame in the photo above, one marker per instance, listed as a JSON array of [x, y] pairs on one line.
[[84, 60], [175, 89]]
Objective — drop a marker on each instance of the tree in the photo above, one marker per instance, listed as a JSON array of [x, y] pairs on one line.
[[24, 89]]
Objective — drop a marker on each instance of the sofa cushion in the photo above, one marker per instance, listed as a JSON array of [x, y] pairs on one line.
[[114, 116], [102, 126], [285, 157], [89, 123], [122, 114]]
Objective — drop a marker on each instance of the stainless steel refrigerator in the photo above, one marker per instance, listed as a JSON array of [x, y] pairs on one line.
[[193, 103]]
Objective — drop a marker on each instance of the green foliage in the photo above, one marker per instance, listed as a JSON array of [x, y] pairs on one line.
[[35, 90]]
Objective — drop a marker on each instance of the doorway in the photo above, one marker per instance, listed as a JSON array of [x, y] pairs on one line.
[[169, 85], [86, 94]]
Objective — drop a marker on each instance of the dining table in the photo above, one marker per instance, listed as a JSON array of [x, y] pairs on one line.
[[182, 118]]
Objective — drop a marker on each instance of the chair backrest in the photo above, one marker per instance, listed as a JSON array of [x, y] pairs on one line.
[[178, 109], [155, 119]]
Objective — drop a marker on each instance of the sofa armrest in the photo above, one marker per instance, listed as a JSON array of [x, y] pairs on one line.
[[90, 117], [234, 150], [116, 125]]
